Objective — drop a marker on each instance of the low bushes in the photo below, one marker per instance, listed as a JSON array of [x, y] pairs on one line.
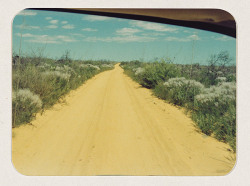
[[215, 111], [48, 81], [155, 73], [24, 105], [211, 102], [151, 74], [179, 91]]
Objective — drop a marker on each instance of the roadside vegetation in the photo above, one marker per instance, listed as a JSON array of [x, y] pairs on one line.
[[39, 82], [208, 92]]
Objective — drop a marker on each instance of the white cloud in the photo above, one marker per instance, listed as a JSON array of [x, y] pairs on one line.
[[68, 26], [28, 27], [127, 31], [89, 29], [54, 21], [152, 26], [123, 35], [27, 13], [96, 18], [193, 37], [64, 22], [24, 35], [121, 39], [184, 39], [52, 26], [191, 32], [42, 39], [48, 18], [222, 38], [76, 34], [65, 38], [47, 39], [154, 34]]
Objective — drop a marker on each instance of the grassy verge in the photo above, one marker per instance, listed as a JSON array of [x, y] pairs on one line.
[[39, 85], [207, 92]]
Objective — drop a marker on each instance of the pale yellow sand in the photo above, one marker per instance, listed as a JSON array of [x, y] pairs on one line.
[[113, 126]]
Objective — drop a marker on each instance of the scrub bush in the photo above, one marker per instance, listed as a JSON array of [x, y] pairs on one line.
[[215, 112], [209, 92], [181, 91], [49, 81], [24, 105]]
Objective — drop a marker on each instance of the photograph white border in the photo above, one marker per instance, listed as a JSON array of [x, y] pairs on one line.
[[239, 175]]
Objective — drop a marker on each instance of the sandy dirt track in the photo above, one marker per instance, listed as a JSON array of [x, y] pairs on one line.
[[113, 126]]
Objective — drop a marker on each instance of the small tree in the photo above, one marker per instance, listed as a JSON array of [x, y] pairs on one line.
[[218, 62], [65, 57], [224, 59], [37, 55]]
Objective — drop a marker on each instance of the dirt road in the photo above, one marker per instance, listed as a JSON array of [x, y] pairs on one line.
[[112, 126]]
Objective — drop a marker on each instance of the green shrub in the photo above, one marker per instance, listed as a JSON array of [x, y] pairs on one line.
[[215, 108], [48, 80], [204, 122], [24, 105], [161, 91], [225, 127], [216, 99], [156, 73], [181, 91], [150, 74]]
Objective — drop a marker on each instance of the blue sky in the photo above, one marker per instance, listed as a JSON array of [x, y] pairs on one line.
[[98, 37]]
